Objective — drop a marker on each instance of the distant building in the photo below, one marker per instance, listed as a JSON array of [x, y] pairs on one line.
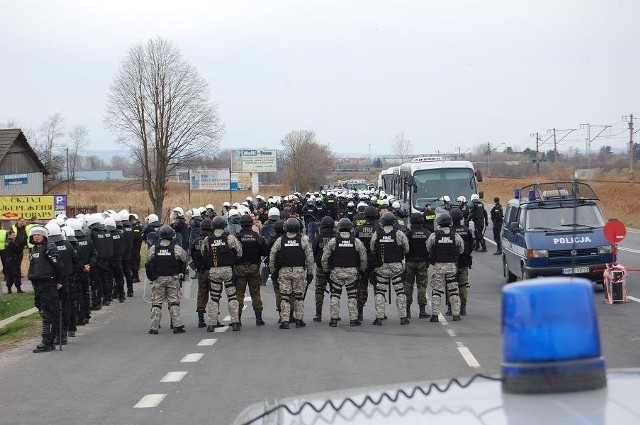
[[99, 175], [21, 171]]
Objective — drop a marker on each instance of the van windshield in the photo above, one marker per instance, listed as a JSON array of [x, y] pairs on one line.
[[561, 217]]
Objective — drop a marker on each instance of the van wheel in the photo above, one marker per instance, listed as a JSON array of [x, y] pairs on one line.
[[509, 277]]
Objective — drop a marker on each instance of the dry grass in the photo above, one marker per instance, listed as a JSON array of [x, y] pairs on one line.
[[617, 200]]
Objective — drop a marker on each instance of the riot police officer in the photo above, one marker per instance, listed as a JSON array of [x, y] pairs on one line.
[[248, 268], [326, 233], [444, 246], [416, 264], [202, 271], [497, 217], [429, 218], [342, 257], [479, 217], [465, 259], [165, 267], [388, 247], [364, 232]]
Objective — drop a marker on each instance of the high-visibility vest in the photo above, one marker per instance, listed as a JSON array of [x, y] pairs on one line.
[[3, 239]]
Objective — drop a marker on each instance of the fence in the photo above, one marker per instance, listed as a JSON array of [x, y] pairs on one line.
[[73, 210]]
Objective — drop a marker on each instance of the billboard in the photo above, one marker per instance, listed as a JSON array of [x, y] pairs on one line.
[[254, 160], [35, 206], [218, 180]]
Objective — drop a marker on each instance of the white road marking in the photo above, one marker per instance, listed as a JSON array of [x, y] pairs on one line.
[[174, 376], [443, 319], [222, 329], [207, 341], [629, 297], [192, 358], [467, 356], [489, 240], [150, 400], [635, 251], [247, 299], [226, 318], [451, 333]]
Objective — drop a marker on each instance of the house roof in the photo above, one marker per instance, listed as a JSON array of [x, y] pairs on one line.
[[10, 135]]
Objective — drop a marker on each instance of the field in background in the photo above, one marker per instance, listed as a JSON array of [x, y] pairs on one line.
[[617, 200]]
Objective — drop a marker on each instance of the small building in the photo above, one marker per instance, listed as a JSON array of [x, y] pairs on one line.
[[21, 171], [100, 175]]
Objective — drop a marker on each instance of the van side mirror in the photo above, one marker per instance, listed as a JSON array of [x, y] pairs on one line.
[[515, 227], [478, 176], [415, 188], [481, 195]]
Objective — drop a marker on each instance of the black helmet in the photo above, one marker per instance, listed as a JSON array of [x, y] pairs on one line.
[[345, 225], [326, 222], [218, 222], [371, 212], [278, 226], [444, 220], [416, 218], [456, 215], [206, 224], [166, 232], [387, 219], [246, 221], [292, 225]]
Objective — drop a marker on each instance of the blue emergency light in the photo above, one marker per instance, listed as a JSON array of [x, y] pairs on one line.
[[516, 193], [550, 337], [532, 195]]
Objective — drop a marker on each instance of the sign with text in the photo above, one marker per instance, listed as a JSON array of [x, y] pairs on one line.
[[38, 207], [255, 160], [209, 179], [11, 179]]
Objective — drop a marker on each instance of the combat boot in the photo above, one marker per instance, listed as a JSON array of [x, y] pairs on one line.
[[56, 340], [235, 326], [409, 310], [211, 328], [463, 307], [240, 318], [423, 311], [201, 322], [318, 317], [377, 322], [259, 321], [434, 318], [9, 291], [291, 318], [456, 318], [404, 321], [178, 330], [300, 324], [333, 323], [43, 347], [153, 331], [355, 323], [360, 311], [19, 289], [284, 325]]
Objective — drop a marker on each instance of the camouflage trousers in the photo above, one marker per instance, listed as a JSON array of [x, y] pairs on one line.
[[347, 277], [390, 272], [292, 280], [445, 276], [220, 276], [416, 274], [248, 275], [204, 286], [321, 286], [463, 284], [165, 288]]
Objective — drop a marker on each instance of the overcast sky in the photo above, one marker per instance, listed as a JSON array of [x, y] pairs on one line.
[[449, 74]]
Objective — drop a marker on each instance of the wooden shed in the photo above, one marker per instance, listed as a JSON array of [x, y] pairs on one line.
[[21, 171]]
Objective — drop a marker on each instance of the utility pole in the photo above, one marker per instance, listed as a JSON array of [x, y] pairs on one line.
[[537, 136], [488, 157], [556, 142], [631, 159], [589, 139]]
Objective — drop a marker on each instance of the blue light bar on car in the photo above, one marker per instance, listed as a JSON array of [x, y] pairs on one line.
[[532, 195], [516, 193], [550, 337]]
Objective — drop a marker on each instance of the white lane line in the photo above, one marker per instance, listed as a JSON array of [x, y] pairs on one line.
[[192, 358], [247, 299], [174, 376], [150, 400], [226, 318], [442, 319], [635, 251], [207, 342], [467, 356], [489, 240], [629, 297], [222, 329], [452, 333]]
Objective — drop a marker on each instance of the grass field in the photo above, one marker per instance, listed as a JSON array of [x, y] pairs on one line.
[[22, 329], [15, 303]]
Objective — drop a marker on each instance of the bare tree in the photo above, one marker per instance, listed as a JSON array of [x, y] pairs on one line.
[[159, 107], [401, 146], [47, 145], [307, 162], [78, 141]]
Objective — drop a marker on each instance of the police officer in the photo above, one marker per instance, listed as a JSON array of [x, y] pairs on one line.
[[194, 225], [179, 225], [136, 229], [248, 267], [342, 257], [45, 273], [201, 269], [278, 228], [464, 208], [220, 251], [400, 216], [389, 246], [100, 274], [464, 259], [327, 232], [87, 255], [429, 218], [115, 262], [444, 246], [364, 232], [295, 256], [165, 267], [416, 264], [479, 217], [497, 217], [150, 232]]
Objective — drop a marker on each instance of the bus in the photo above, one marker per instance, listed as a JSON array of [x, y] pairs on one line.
[[425, 180], [385, 180]]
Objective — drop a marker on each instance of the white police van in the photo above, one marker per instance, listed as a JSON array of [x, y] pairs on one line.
[[554, 229]]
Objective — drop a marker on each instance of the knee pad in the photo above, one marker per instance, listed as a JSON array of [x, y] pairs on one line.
[[174, 304], [436, 293], [285, 294], [450, 279], [380, 291], [157, 307], [229, 284]]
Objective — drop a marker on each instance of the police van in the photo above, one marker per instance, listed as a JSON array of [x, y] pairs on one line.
[[554, 229]]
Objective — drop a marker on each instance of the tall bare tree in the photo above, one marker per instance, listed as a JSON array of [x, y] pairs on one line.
[[78, 138], [159, 107], [307, 162], [401, 146], [47, 145]]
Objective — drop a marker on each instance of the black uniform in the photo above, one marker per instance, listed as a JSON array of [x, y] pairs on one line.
[[365, 232], [101, 274], [127, 246], [181, 228], [72, 266], [87, 255], [136, 245], [479, 217], [115, 264], [497, 217]]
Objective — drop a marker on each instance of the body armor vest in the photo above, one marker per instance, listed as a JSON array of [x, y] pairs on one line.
[[345, 253], [165, 262], [418, 245], [445, 247], [292, 252], [250, 246], [387, 248], [221, 254]]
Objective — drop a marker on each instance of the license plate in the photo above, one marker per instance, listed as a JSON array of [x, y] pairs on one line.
[[575, 270]]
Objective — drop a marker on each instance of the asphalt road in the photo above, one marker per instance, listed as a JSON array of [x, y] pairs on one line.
[[113, 365]]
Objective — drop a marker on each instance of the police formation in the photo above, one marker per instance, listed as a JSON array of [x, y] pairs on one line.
[[348, 242]]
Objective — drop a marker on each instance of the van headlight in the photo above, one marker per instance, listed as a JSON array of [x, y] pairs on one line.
[[605, 249], [537, 253]]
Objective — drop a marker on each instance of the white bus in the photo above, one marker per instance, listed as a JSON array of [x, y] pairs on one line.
[[426, 180], [385, 180]]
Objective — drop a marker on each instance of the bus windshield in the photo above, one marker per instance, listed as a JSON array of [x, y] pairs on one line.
[[431, 185], [386, 182]]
